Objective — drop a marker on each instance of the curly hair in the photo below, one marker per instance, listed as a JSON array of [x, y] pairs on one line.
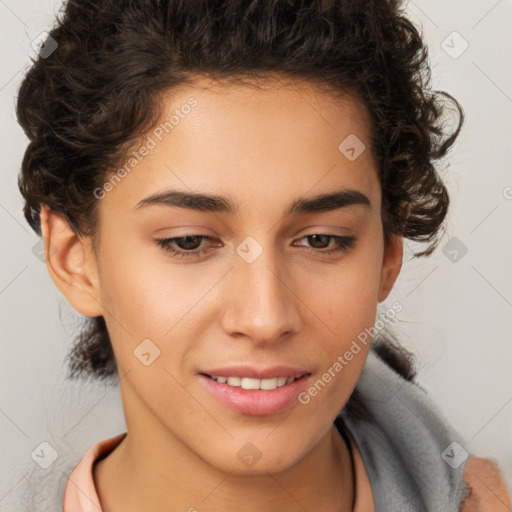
[[87, 103]]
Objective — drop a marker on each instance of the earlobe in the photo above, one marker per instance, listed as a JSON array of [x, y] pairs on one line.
[[71, 263]]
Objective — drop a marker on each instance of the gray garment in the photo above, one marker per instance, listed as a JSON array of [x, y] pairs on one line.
[[406, 444]]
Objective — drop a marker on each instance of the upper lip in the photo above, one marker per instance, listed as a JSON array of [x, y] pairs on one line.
[[257, 373]]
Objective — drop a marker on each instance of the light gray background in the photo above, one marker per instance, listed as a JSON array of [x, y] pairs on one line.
[[456, 315]]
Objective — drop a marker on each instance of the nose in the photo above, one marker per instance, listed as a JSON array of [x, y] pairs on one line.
[[262, 305]]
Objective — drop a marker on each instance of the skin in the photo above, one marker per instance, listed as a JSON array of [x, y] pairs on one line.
[[264, 148], [487, 488]]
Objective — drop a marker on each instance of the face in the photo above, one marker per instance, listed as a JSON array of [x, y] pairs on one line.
[[262, 283]]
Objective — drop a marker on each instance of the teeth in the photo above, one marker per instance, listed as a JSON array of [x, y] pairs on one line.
[[234, 381], [248, 383], [268, 383]]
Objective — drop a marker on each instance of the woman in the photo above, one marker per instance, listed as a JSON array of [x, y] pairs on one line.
[[223, 189]]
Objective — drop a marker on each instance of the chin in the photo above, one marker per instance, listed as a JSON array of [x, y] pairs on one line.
[[254, 459]]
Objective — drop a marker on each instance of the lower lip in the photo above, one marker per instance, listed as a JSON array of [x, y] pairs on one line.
[[255, 402]]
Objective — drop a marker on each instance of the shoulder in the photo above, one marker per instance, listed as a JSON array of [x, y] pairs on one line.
[[487, 489]]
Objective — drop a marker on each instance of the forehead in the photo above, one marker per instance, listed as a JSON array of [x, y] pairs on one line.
[[258, 104], [259, 140]]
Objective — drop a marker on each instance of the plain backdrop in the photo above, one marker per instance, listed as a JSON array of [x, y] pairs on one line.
[[457, 303]]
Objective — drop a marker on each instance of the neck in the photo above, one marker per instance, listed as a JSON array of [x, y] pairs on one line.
[[164, 476]]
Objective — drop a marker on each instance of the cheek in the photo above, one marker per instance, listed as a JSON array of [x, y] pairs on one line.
[[140, 302], [146, 298], [348, 306], [142, 292], [352, 311], [348, 300]]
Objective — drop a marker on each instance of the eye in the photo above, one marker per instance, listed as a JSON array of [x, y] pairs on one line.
[[342, 243], [189, 246]]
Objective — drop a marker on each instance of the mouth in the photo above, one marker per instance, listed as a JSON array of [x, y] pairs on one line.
[[256, 393]]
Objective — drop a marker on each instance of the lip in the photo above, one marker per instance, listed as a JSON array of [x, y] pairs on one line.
[[256, 402]]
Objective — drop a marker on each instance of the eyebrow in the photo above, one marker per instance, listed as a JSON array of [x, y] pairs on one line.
[[341, 198]]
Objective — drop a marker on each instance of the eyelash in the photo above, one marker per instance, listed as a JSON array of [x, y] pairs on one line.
[[344, 244]]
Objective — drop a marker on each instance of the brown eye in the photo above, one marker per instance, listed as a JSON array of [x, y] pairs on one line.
[[189, 246], [321, 240], [184, 246]]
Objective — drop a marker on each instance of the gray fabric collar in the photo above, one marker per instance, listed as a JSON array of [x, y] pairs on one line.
[[406, 444]]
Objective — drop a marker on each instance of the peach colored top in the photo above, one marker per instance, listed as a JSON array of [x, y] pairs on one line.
[[81, 496]]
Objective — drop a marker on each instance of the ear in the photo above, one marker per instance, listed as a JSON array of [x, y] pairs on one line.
[[71, 262], [392, 259], [391, 265]]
